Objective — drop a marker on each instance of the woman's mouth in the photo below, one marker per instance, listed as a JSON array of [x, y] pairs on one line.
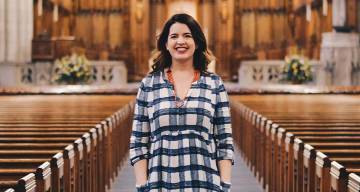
[[181, 49]]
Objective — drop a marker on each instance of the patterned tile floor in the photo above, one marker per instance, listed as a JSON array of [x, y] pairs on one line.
[[242, 179]]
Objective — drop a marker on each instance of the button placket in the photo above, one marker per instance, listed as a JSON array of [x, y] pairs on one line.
[[181, 118]]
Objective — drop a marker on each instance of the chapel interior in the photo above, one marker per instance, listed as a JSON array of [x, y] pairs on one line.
[[296, 128]]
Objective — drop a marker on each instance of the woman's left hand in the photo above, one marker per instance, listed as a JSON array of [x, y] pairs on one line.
[[225, 186]]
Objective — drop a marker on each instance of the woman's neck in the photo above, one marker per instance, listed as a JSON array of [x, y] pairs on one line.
[[186, 66]]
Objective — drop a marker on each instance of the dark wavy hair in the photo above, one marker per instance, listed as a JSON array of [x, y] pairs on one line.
[[202, 56]]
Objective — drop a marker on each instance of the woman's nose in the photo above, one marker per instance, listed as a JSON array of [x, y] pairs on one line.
[[180, 40]]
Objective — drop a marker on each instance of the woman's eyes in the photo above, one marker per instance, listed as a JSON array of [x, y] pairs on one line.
[[176, 36]]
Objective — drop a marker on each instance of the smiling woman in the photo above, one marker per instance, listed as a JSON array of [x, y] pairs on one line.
[[181, 135]]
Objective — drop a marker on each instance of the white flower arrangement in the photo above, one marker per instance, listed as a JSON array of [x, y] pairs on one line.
[[74, 69], [297, 69]]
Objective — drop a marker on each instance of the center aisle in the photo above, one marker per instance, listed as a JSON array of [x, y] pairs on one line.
[[242, 179]]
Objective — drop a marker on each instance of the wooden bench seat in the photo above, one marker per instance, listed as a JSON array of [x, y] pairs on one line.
[[30, 153], [300, 161], [294, 165], [49, 142], [261, 153], [10, 179], [304, 137], [60, 169], [280, 137], [66, 136], [83, 140], [68, 162]]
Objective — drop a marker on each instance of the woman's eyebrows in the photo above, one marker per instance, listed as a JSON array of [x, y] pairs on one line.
[[186, 33]]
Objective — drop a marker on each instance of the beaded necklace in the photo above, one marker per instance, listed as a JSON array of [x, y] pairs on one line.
[[180, 102]]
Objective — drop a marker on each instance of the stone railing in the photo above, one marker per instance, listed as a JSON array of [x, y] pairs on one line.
[[33, 74], [268, 72]]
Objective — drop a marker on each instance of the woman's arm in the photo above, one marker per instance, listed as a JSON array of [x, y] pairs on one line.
[[223, 133], [139, 140], [225, 170], [141, 172]]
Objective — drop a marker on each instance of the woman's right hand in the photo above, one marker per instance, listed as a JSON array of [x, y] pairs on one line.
[[142, 188], [141, 175]]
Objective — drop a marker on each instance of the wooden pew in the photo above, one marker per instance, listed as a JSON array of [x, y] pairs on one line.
[[57, 164], [98, 146], [69, 172], [284, 160], [69, 163], [287, 165], [257, 126], [321, 135]]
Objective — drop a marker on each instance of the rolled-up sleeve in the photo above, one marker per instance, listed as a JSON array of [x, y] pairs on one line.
[[139, 140], [222, 124]]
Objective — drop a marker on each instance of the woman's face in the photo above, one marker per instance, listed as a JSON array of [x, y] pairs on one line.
[[180, 43]]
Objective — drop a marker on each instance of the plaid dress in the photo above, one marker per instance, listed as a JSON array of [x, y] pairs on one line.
[[182, 144]]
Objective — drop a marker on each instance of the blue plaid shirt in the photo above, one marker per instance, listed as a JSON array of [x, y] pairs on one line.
[[182, 144]]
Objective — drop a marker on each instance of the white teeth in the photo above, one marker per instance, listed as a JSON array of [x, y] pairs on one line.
[[181, 49]]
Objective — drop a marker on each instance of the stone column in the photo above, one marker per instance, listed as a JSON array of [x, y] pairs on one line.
[[25, 30], [11, 28], [18, 30], [339, 51], [29, 28], [2, 30]]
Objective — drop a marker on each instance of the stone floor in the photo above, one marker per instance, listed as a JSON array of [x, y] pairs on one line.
[[242, 179]]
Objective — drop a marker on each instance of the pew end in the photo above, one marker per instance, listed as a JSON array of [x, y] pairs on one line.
[[69, 168], [27, 183], [354, 183], [298, 164], [289, 160], [322, 180], [309, 168], [338, 177], [57, 172], [43, 177]]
